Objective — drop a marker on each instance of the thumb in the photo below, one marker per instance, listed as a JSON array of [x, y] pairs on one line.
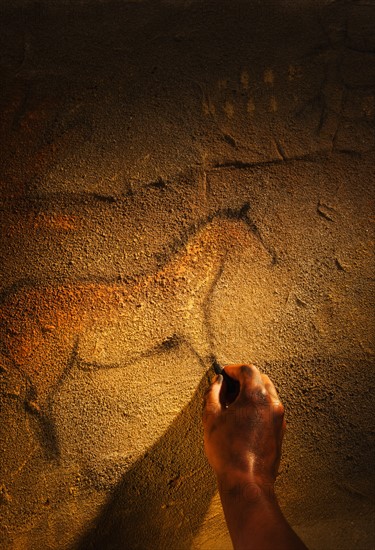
[[212, 406]]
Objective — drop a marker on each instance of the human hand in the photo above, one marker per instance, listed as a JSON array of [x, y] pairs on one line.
[[243, 433]]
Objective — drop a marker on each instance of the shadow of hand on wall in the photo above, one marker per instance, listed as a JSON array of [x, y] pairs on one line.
[[162, 499]]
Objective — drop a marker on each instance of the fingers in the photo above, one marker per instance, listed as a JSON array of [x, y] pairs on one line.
[[212, 405], [244, 373], [255, 386], [252, 389]]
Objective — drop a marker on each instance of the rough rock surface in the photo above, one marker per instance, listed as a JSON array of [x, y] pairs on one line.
[[181, 179]]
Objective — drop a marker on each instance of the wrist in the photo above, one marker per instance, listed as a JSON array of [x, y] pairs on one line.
[[245, 488]]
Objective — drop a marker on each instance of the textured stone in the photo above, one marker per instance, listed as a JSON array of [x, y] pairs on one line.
[[178, 180], [361, 27]]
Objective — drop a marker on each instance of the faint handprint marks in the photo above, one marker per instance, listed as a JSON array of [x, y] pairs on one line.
[[252, 92], [286, 111], [249, 108]]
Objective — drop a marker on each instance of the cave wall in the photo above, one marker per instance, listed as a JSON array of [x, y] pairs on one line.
[[181, 180]]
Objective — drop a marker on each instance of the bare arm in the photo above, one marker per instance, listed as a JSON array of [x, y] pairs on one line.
[[243, 434]]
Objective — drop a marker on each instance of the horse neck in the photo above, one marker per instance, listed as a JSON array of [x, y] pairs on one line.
[[200, 261]]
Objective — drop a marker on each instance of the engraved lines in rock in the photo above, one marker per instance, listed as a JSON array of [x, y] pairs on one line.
[[47, 331]]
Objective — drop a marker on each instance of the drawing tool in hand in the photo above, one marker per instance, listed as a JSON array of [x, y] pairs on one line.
[[232, 386]]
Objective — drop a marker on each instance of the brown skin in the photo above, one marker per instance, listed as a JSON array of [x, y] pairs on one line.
[[243, 432]]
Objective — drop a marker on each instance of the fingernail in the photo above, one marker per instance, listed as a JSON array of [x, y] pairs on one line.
[[219, 378]]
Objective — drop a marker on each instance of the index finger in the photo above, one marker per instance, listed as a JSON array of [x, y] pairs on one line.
[[245, 374]]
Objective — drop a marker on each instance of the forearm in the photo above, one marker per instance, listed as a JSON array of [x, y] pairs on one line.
[[243, 435], [254, 519]]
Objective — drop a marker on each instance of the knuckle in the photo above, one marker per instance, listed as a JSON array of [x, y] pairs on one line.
[[256, 394], [278, 409], [209, 411], [266, 379], [207, 395], [260, 394], [248, 370]]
